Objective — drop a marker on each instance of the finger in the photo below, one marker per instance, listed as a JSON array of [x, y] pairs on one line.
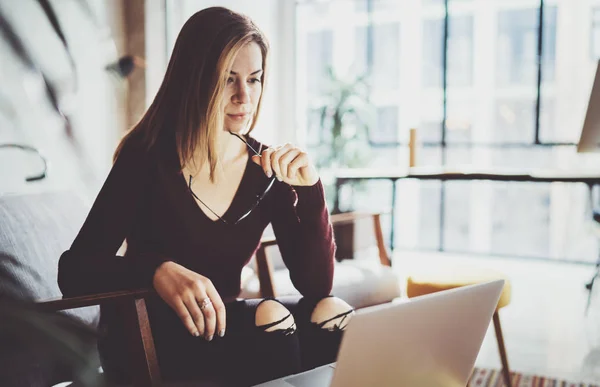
[[266, 162], [219, 309], [210, 321], [300, 161], [275, 156], [182, 311], [208, 311], [194, 310], [286, 159], [205, 302], [256, 160]]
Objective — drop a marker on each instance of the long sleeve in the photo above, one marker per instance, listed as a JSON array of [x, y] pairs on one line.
[[305, 237], [91, 264]]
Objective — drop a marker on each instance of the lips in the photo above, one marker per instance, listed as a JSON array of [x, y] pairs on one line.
[[241, 117]]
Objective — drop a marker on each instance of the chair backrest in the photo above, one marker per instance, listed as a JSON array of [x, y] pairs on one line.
[[35, 229], [350, 229], [359, 235]]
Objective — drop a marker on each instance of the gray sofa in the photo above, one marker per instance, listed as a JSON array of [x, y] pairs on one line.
[[34, 231]]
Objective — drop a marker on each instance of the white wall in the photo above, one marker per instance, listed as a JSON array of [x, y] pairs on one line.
[[92, 98]]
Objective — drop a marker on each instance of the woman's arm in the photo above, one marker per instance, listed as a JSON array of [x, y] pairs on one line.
[[91, 264], [305, 237], [300, 219]]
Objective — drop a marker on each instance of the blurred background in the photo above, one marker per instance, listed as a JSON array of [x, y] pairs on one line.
[[464, 75], [496, 84]]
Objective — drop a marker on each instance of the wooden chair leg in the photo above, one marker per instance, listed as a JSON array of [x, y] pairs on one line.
[[264, 270], [502, 350], [143, 355]]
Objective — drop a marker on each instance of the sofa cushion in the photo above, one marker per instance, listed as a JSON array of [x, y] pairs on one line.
[[34, 231], [445, 277], [360, 283]]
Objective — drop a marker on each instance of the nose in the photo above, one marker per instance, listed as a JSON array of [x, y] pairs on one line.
[[242, 93]]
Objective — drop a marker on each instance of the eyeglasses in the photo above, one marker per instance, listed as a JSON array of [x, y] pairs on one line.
[[259, 197]]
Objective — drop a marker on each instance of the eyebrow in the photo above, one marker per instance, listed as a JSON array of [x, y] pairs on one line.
[[254, 73]]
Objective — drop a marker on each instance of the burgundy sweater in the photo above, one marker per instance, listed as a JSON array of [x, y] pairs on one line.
[[146, 200]]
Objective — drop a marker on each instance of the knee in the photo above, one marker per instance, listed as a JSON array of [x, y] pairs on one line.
[[332, 313], [272, 316]]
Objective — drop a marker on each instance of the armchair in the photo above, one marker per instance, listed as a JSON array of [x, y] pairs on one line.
[[34, 230], [365, 280], [140, 346]]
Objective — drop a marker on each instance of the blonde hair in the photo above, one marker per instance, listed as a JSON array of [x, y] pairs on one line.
[[187, 108]]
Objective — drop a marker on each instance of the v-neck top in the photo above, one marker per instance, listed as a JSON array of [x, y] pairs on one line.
[[226, 215], [146, 201]]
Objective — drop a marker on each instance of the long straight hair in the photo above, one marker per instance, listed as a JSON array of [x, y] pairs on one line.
[[187, 109]]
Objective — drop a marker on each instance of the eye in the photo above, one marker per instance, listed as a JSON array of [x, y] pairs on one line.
[[230, 80], [255, 80]]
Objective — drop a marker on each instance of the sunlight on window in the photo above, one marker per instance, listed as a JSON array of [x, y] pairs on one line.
[[491, 116]]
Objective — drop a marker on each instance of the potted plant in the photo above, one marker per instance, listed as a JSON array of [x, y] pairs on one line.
[[345, 118]]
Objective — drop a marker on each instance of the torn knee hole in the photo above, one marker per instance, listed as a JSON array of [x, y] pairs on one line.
[[285, 326], [337, 322], [272, 317], [332, 313]]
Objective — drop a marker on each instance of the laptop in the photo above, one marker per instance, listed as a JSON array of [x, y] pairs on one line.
[[589, 139], [428, 341]]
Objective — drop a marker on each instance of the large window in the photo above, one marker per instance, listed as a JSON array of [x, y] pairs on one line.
[[491, 83], [595, 38]]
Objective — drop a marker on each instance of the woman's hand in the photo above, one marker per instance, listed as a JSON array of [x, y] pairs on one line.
[[289, 164], [184, 291]]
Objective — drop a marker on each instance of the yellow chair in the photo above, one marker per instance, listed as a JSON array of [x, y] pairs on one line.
[[436, 279]]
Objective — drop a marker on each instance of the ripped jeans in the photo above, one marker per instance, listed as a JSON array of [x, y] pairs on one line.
[[248, 354]]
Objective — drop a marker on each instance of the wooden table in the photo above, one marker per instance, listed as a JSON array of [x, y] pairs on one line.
[[342, 176]]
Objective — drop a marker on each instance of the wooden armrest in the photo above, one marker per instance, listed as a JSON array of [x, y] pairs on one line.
[[349, 217], [264, 268], [140, 343], [64, 303], [268, 241]]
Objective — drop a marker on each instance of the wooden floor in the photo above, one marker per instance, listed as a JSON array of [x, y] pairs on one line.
[[545, 330]]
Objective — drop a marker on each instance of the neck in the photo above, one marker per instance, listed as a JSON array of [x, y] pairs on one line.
[[229, 148]]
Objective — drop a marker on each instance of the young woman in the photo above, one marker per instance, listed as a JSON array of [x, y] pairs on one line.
[[191, 192]]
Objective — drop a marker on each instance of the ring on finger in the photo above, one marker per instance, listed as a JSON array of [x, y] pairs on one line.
[[205, 302]]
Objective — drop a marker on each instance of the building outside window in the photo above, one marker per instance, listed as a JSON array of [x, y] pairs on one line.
[[492, 118]]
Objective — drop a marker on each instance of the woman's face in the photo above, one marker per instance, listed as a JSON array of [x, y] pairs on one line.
[[244, 87]]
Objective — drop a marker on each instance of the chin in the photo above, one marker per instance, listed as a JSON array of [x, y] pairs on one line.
[[236, 127]]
